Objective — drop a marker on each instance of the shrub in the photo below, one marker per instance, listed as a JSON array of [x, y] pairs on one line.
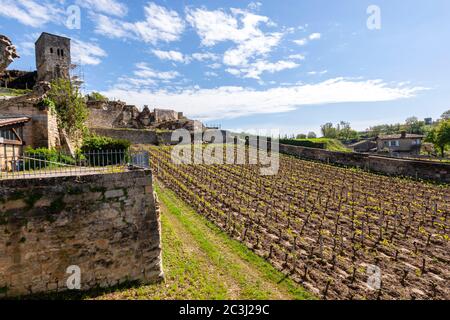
[[44, 158], [303, 143], [104, 151], [70, 107], [47, 103], [100, 143], [96, 96]]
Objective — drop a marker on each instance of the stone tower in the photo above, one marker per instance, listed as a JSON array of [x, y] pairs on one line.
[[52, 57]]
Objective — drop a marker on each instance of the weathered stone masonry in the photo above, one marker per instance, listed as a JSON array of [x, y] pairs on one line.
[[429, 170], [108, 225]]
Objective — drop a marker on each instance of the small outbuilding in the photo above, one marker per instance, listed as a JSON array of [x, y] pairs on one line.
[[11, 140]]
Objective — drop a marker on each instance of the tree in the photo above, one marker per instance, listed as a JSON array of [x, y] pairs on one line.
[[413, 125], [301, 136], [345, 131], [440, 136], [446, 115], [70, 107], [329, 131], [96, 96], [312, 135]]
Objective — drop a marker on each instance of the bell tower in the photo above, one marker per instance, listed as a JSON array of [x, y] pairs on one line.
[[52, 57]]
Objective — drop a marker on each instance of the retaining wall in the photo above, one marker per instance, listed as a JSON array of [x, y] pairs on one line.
[[429, 170], [107, 225]]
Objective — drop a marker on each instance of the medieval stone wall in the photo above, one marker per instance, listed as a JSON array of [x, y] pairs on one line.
[[42, 130], [103, 114], [162, 115], [400, 167], [107, 225]]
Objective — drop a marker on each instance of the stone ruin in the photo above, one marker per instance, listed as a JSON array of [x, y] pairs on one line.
[[7, 53], [117, 114]]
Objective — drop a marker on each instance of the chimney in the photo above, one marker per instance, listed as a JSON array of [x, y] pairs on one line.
[[403, 136]]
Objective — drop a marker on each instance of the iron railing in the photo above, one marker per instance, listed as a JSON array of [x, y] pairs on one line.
[[36, 164]]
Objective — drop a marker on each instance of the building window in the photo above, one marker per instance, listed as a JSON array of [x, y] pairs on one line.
[[62, 53], [394, 143], [51, 50], [57, 52]]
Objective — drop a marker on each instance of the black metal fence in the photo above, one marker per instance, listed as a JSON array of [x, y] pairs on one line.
[[35, 164]]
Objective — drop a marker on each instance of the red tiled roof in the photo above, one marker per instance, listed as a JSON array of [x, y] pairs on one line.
[[11, 121]]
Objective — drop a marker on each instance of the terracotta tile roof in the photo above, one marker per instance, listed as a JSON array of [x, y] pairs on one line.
[[400, 136], [11, 121]]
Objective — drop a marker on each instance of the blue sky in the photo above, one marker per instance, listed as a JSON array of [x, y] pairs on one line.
[[290, 65]]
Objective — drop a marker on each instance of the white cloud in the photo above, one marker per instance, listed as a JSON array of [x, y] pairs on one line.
[[25, 48], [202, 56], [210, 74], [232, 102], [30, 12], [109, 7], [315, 36], [304, 41], [301, 42], [241, 27], [256, 46], [254, 5], [254, 70], [144, 71], [86, 52], [144, 77], [170, 55], [160, 24], [215, 65], [313, 73], [297, 57], [218, 26]]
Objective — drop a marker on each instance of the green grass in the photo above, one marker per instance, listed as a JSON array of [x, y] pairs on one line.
[[330, 144], [201, 262], [6, 92]]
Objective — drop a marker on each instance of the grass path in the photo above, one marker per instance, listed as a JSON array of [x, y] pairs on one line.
[[201, 262]]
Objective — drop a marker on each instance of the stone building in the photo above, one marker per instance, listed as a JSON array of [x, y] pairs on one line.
[[11, 140], [52, 57], [402, 143]]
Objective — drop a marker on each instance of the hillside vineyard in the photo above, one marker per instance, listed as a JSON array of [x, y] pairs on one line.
[[332, 229]]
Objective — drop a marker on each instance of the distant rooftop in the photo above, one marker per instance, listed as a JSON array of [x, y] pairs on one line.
[[401, 136]]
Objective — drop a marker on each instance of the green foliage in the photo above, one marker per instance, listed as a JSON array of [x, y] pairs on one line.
[[446, 115], [440, 136], [103, 151], [96, 96], [329, 131], [303, 143], [7, 92], [318, 143], [100, 143], [312, 135], [44, 158], [70, 107], [342, 131], [411, 125], [48, 104]]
